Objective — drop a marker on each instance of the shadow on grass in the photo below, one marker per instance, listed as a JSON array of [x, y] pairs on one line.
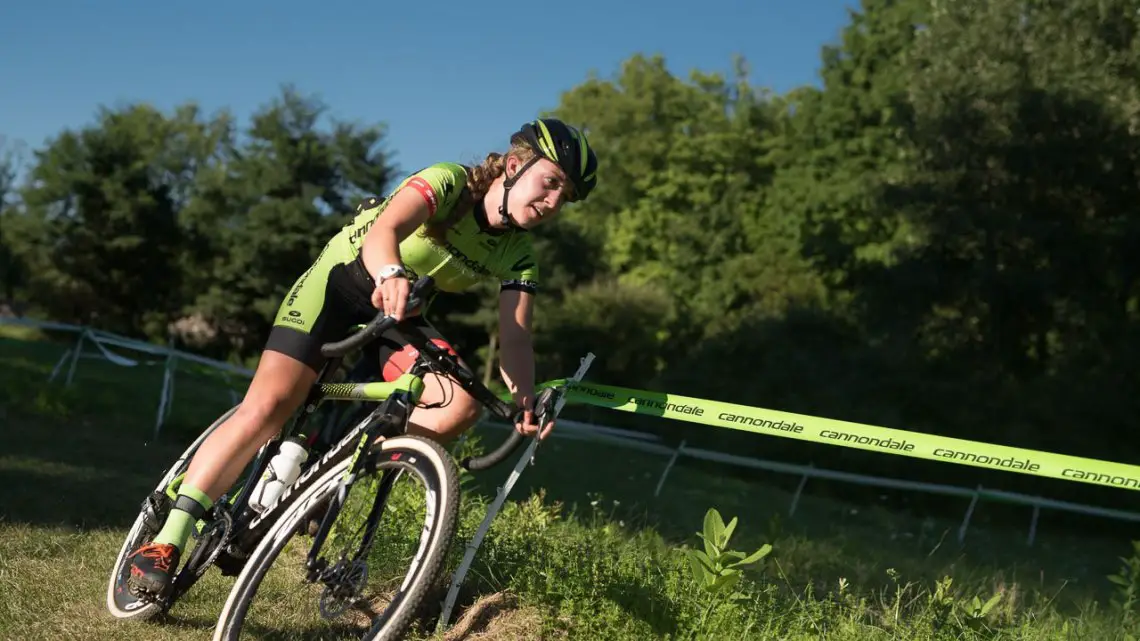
[[85, 453], [83, 497]]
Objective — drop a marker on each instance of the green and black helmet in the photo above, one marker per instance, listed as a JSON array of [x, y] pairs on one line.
[[567, 147]]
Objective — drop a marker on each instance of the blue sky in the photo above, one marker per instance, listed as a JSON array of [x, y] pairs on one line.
[[450, 79]]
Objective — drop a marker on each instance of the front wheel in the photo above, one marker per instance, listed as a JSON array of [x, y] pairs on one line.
[[370, 574]]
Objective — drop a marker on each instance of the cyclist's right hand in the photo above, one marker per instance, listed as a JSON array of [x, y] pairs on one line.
[[391, 296]]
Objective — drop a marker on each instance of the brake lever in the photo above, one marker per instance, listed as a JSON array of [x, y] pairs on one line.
[[544, 404], [543, 407]]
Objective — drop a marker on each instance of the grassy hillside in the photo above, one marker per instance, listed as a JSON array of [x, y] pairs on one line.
[[584, 552]]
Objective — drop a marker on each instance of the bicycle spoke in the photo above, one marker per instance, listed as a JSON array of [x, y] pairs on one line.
[[373, 554]]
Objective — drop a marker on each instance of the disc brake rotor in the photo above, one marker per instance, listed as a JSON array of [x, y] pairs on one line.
[[343, 585]]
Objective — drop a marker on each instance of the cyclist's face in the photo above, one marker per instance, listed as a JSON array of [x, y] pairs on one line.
[[539, 193]]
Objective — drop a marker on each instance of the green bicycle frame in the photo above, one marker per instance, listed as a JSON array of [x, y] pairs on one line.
[[373, 391], [377, 391]]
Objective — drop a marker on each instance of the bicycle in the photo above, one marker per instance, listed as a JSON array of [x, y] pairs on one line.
[[243, 542]]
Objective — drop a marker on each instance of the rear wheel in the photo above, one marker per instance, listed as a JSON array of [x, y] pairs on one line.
[[155, 507], [387, 544]]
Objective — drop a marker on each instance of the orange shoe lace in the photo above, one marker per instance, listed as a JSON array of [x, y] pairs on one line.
[[161, 553]]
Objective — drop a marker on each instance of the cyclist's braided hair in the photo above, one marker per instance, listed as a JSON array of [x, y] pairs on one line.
[[479, 179]]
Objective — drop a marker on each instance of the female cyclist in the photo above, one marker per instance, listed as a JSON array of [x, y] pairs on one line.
[[457, 224]]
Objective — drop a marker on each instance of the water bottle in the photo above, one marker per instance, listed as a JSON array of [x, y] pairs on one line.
[[282, 470]]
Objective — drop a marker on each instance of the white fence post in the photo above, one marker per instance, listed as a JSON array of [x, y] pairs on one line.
[[166, 397], [234, 398], [668, 466], [75, 355], [1033, 523], [800, 489], [58, 364], [969, 513]]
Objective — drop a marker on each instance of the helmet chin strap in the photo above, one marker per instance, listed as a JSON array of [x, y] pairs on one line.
[[509, 182]]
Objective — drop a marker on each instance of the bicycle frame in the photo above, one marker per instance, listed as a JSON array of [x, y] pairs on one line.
[[395, 402], [244, 527]]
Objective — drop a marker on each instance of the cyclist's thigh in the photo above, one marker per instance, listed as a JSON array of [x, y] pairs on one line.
[[278, 387]]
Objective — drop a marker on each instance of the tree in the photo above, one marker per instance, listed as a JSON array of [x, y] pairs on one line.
[[840, 144], [260, 217], [1024, 184], [12, 160], [682, 179], [154, 225], [98, 229], [679, 208], [1022, 190]]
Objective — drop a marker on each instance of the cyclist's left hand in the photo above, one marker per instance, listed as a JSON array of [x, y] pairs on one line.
[[529, 425]]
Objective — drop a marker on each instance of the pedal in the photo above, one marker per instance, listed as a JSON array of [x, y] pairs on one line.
[[155, 508]]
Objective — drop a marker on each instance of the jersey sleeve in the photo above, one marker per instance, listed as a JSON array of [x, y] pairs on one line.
[[440, 185], [519, 269]]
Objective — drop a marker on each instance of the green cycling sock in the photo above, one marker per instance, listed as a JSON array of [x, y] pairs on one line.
[[179, 524]]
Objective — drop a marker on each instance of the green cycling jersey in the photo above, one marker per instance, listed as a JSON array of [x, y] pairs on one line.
[[471, 249]]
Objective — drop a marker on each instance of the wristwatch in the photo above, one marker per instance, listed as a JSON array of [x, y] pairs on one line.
[[390, 271]]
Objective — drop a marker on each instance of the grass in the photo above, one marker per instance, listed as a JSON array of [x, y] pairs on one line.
[[584, 551]]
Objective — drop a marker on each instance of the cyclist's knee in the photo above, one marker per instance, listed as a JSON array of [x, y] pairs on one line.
[[458, 411], [462, 413], [264, 413], [466, 412], [277, 389]]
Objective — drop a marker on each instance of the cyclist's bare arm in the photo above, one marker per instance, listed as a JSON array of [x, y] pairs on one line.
[[406, 211], [516, 361]]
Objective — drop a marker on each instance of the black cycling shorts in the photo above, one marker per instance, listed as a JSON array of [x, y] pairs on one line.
[[326, 302]]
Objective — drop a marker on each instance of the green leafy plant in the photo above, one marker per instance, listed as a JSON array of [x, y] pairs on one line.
[[975, 611], [970, 613], [1127, 583], [716, 568]]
